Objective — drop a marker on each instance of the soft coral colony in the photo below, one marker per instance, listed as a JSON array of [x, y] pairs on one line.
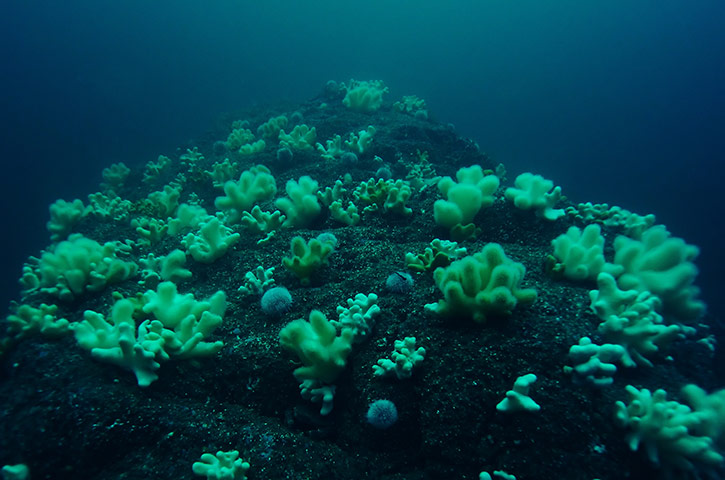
[[318, 206]]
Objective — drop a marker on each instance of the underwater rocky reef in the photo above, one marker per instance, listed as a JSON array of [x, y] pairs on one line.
[[345, 288]]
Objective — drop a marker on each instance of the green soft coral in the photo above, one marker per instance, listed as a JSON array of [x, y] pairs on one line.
[[75, 266], [301, 205], [534, 192], [664, 266], [579, 254], [364, 96], [388, 196], [674, 436], [181, 329], [465, 197], [307, 257], [254, 185], [322, 352], [212, 241], [481, 285]]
